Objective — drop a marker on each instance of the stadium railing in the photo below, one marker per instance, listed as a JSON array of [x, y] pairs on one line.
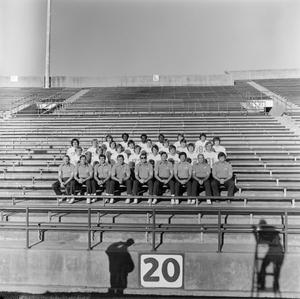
[[151, 225]]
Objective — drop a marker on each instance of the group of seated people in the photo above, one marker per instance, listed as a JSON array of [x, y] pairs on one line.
[[109, 166]]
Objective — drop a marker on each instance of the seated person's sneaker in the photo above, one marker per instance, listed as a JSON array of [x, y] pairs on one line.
[[154, 201], [208, 201], [135, 201], [88, 200], [72, 200], [112, 200], [127, 200]]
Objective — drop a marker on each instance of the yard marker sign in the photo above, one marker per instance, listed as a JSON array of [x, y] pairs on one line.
[[161, 270]]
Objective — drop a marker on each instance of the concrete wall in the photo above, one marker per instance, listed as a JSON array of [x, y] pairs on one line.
[[176, 80], [206, 273], [202, 80], [22, 82], [264, 74], [226, 79]]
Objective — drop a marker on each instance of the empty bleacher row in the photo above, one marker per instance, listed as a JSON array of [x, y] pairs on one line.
[[288, 88], [11, 98], [161, 100]]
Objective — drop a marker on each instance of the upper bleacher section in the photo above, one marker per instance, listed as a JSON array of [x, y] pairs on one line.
[[288, 88], [167, 99], [32, 100]]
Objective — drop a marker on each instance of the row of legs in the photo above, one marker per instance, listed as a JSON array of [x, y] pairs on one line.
[[155, 187]]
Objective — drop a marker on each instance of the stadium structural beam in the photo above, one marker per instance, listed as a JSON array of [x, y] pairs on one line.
[[47, 82]]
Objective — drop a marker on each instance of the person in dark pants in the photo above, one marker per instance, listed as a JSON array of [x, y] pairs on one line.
[[164, 176], [143, 176], [65, 178], [120, 265], [120, 174], [222, 175], [102, 172], [84, 175], [267, 234], [201, 177], [183, 175]]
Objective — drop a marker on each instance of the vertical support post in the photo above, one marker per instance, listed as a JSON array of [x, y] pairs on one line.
[[47, 54], [153, 229], [285, 231], [89, 229], [219, 231], [147, 221], [27, 227]]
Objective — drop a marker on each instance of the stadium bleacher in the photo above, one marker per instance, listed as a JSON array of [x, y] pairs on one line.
[[288, 88], [264, 154]]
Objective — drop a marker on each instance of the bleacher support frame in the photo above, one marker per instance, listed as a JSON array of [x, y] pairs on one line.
[[148, 227]]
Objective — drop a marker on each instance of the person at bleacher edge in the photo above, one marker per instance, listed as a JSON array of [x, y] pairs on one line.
[[222, 175], [65, 178]]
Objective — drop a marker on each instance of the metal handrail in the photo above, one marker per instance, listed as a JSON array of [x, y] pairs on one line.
[[220, 228]]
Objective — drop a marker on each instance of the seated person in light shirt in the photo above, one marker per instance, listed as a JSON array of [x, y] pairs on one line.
[[222, 175], [173, 156], [143, 176], [135, 157], [148, 147], [119, 151], [130, 149], [83, 175], [154, 156], [120, 174], [108, 140], [182, 148], [180, 137], [163, 173], [74, 159], [143, 143], [74, 145], [210, 155], [124, 142], [65, 178], [183, 175], [102, 172], [94, 148], [218, 148], [192, 153], [95, 158], [201, 177], [166, 146], [160, 142], [201, 143]]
